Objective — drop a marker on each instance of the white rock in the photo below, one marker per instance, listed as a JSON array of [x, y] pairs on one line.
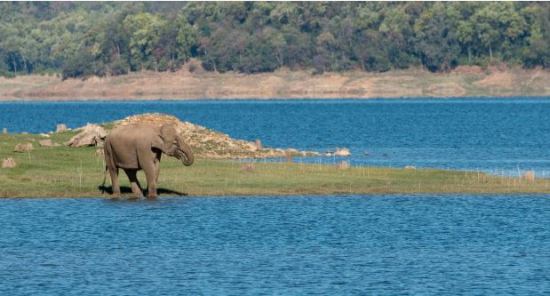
[[23, 147], [61, 128], [342, 152], [8, 163], [90, 135], [47, 143]]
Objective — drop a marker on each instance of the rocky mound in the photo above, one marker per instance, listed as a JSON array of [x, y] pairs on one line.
[[212, 144]]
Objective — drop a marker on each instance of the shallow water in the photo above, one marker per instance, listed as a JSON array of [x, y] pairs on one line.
[[501, 136], [342, 245]]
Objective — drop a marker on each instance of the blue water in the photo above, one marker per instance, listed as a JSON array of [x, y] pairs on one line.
[[338, 245], [502, 136], [341, 245]]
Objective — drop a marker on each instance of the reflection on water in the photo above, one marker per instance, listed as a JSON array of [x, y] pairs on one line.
[[352, 245]]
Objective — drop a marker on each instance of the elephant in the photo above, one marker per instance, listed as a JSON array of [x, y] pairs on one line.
[[140, 146]]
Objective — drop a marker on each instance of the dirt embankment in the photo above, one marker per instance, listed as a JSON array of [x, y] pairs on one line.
[[199, 84]]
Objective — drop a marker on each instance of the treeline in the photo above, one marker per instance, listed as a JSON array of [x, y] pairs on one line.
[[80, 39]]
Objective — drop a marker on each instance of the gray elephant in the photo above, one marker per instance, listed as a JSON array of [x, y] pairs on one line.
[[139, 146]]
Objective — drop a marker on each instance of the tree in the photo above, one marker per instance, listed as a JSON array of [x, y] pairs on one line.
[[116, 38], [143, 30], [436, 42]]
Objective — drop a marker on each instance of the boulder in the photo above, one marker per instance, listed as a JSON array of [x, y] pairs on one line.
[[209, 143], [292, 151], [342, 152], [5, 131], [23, 147], [47, 143], [410, 167], [61, 128], [8, 163], [89, 135]]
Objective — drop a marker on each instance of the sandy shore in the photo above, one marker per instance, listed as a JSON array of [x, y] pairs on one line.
[[198, 84]]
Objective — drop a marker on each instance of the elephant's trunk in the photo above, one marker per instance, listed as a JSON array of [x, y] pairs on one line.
[[184, 153]]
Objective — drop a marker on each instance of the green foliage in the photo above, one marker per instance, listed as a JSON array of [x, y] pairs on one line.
[[113, 38]]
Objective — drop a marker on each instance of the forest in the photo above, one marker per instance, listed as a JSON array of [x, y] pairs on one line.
[[80, 39]]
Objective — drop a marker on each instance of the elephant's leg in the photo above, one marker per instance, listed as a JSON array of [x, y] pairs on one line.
[[157, 171], [114, 181], [134, 182], [151, 175]]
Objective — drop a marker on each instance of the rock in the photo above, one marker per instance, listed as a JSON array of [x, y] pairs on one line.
[[529, 176], [208, 143], [23, 147], [8, 163], [5, 131], [47, 143], [90, 135], [292, 151], [343, 165], [250, 147], [342, 152], [61, 128], [410, 167], [44, 135]]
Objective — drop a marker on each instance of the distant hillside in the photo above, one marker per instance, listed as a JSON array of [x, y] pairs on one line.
[[81, 39], [183, 84]]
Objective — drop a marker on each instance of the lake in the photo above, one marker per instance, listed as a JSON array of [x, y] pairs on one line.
[[340, 245], [337, 245], [500, 136]]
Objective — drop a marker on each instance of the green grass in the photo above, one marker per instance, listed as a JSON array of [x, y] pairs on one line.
[[78, 172]]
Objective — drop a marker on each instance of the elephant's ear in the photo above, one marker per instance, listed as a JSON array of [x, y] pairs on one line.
[[158, 143]]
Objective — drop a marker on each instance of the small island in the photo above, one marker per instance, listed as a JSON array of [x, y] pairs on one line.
[[46, 166]]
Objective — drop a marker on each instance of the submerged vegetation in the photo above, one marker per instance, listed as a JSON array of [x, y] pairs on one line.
[[61, 171], [106, 38]]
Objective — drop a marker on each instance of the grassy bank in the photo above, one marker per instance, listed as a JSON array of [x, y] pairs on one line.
[[186, 84], [78, 172]]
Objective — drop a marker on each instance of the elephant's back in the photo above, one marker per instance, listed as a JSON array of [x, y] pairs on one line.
[[132, 131]]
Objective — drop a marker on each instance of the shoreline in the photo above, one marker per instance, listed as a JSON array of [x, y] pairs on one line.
[[283, 84], [128, 197], [274, 99], [66, 172]]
